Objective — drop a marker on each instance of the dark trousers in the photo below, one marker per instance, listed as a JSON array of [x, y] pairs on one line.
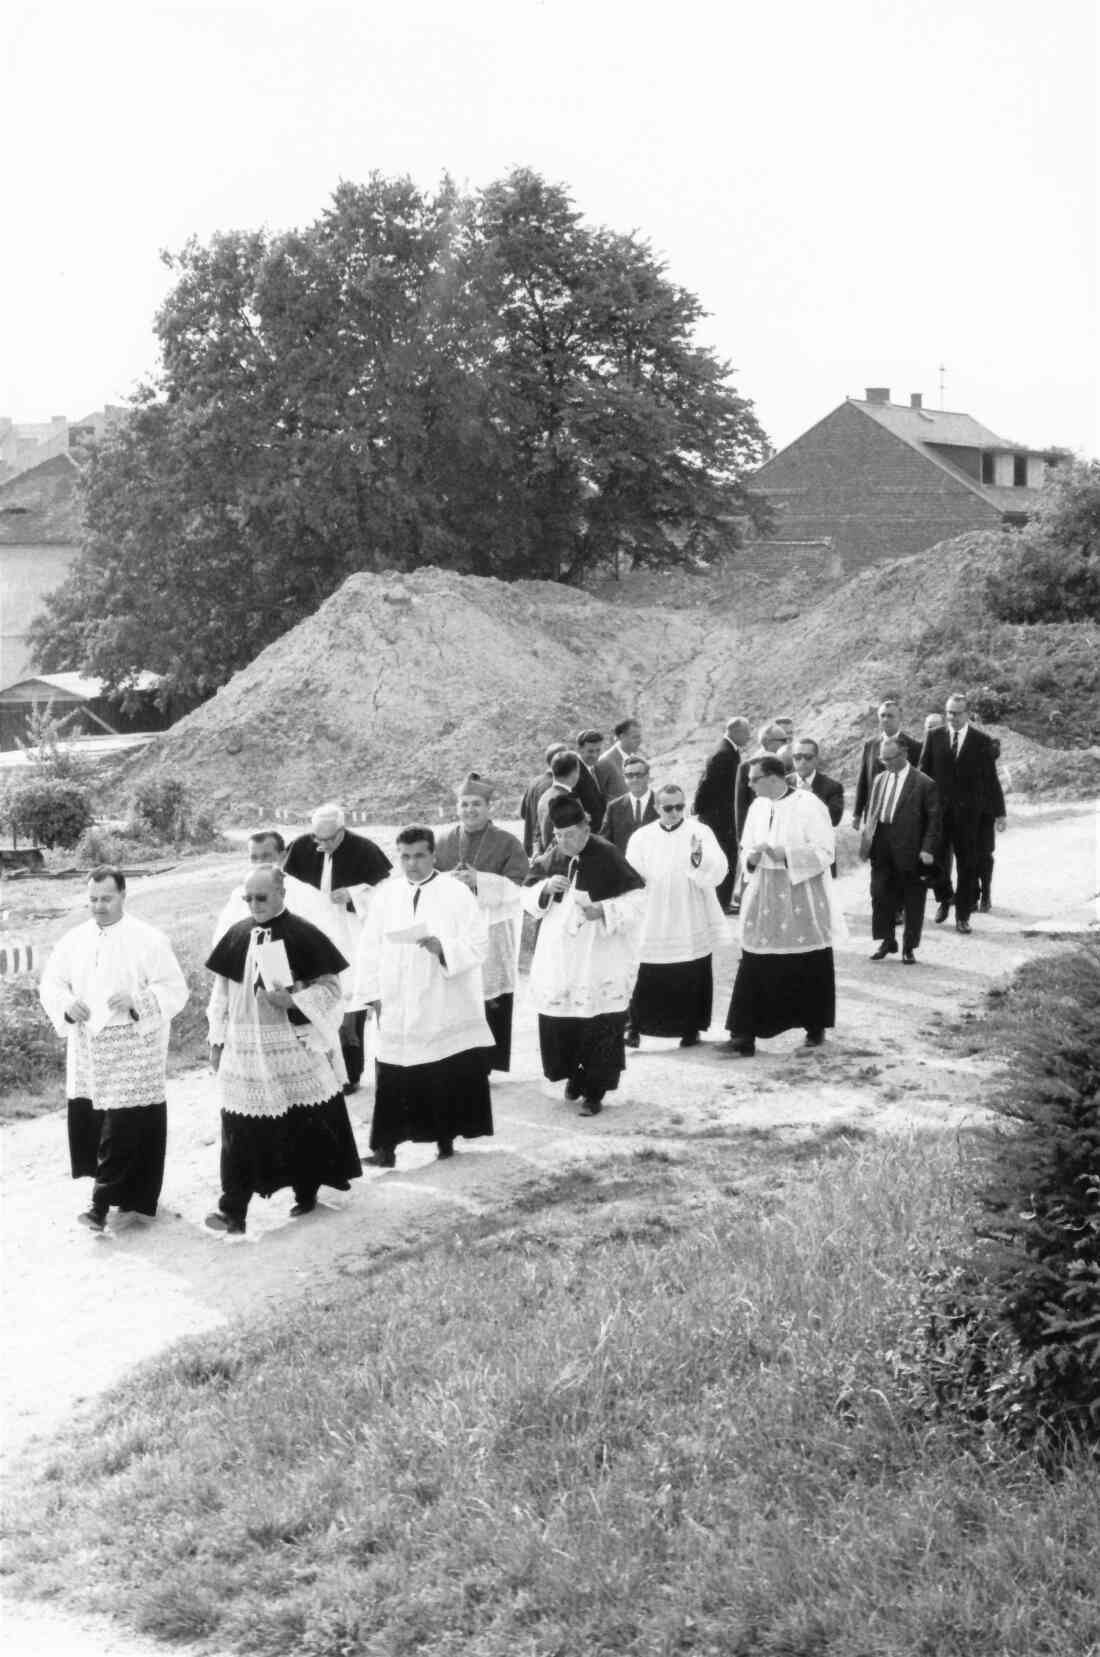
[[728, 843], [987, 840], [353, 1051], [123, 1151], [960, 840], [894, 888]]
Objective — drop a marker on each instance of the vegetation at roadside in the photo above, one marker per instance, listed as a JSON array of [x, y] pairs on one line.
[[663, 1409], [1050, 572]]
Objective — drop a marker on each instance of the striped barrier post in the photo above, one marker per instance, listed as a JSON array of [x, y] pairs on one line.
[[16, 957]]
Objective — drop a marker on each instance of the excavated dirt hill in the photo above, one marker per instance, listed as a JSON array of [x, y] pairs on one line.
[[401, 683]]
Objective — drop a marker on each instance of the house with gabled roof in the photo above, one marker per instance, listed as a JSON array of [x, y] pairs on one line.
[[40, 532], [876, 480]]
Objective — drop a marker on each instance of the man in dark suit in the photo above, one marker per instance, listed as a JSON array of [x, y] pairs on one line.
[[901, 836], [804, 752], [632, 809], [341, 865], [588, 790], [960, 761], [870, 761], [772, 737], [609, 766], [529, 805], [713, 802]]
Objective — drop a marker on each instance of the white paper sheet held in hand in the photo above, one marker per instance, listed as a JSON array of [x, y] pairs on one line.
[[271, 958], [409, 934]]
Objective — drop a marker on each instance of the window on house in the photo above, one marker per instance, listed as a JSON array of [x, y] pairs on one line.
[[987, 468], [1019, 471]]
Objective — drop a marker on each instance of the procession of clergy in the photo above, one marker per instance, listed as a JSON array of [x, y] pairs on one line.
[[630, 893]]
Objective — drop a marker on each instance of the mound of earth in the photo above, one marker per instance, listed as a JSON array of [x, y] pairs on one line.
[[399, 684]]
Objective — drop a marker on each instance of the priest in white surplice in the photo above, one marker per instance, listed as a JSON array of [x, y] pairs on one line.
[[682, 863], [275, 1013], [588, 900], [419, 971], [112, 987], [492, 864], [786, 978]]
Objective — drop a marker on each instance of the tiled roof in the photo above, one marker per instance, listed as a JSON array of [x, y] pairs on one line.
[[40, 506], [922, 425]]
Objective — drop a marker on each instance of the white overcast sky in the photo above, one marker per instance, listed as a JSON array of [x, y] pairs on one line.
[[857, 190]]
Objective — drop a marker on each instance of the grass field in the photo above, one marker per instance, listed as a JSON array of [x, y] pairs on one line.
[[666, 1408]]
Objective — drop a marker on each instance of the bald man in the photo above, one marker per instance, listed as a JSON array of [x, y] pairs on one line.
[[343, 866]]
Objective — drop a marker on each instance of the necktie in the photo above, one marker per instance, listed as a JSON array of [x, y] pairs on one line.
[[637, 810], [954, 745], [416, 898], [888, 798]]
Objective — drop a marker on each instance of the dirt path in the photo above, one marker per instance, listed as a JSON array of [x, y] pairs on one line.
[[883, 1070]]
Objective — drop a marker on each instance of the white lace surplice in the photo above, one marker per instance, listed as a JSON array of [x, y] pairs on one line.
[[790, 910]]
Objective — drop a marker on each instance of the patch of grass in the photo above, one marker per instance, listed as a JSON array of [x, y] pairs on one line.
[[667, 1439]]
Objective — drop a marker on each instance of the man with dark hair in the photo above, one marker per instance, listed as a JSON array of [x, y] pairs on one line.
[[959, 759], [529, 805], [634, 808], [111, 988], [786, 977], [714, 799], [772, 737], [589, 902], [274, 1016], [565, 770], [344, 867], [804, 753], [588, 790], [870, 760], [609, 766], [419, 970], [266, 850]]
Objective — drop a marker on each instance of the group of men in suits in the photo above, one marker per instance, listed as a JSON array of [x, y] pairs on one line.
[[594, 774]]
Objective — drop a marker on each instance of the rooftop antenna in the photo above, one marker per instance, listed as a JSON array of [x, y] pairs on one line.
[[943, 371]]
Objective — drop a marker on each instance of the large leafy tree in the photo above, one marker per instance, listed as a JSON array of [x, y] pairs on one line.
[[478, 381]]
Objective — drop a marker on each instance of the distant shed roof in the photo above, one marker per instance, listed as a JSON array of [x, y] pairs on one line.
[[73, 687]]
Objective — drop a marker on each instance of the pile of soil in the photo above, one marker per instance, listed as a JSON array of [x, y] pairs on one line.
[[399, 684]]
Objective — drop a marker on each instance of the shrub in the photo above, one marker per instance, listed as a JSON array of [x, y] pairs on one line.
[[30, 1051], [161, 804], [100, 845], [51, 813], [1016, 1322], [1051, 570]]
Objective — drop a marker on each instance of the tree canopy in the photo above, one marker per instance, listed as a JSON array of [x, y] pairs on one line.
[[1050, 570], [480, 381]]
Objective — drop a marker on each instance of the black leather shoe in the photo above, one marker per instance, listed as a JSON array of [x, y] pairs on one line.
[[690, 1040], [737, 1050], [942, 913], [445, 1149], [632, 1039], [816, 1038], [890, 947], [962, 926], [217, 1221], [591, 1107], [381, 1159], [985, 907], [93, 1220], [305, 1205], [573, 1090], [908, 959]]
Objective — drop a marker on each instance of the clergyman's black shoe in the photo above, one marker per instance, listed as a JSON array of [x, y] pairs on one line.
[[942, 913], [908, 959], [445, 1148], [591, 1107], [736, 1050], [690, 1040], [92, 1219], [304, 1205], [632, 1039], [888, 947], [962, 926], [381, 1159], [985, 907], [573, 1089], [816, 1038]]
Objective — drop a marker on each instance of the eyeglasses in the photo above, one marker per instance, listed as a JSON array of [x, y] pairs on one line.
[[805, 756], [680, 807]]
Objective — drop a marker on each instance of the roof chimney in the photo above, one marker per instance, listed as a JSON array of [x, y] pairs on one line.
[[878, 393], [916, 399]]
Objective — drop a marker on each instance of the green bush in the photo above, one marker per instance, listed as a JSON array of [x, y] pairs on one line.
[[161, 804], [1050, 571], [30, 1051], [98, 845], [1012, 1329], [50, 813]]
